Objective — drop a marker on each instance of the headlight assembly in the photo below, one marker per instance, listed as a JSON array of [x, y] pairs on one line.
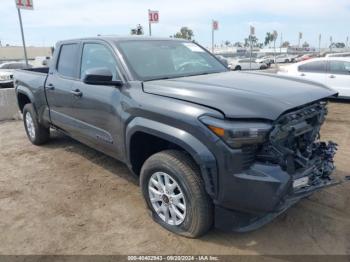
[[238, 133], [5, 77]]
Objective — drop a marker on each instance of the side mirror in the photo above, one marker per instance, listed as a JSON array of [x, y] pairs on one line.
[[100, 76]]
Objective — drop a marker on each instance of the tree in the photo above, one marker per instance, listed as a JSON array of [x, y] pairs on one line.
[[227, 43], [184, 33], [285, 44], [238, 44], [338, 45], [253, 39], [137, 31], [306, 44], [268, 38]]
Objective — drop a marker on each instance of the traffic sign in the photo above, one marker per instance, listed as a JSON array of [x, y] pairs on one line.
[[215, 25], [24, 4], [153, 16], [252, 30]]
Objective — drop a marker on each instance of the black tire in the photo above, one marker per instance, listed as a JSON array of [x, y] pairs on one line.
[[199, 208], [238, 68], [42, 133], [286, 61]]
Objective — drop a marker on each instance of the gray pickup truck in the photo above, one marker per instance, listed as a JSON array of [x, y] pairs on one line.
[[210, 146]]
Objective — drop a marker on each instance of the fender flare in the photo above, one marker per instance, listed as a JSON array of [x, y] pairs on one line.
[[199, 152], [25, 91]]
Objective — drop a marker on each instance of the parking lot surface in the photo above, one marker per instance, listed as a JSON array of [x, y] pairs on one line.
[[65, 198]]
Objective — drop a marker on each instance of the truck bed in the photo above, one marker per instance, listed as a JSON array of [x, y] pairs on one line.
[[44, 70]]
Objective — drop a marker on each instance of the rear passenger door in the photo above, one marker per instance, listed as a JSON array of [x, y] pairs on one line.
[[59, 84], [313, 70], [338, 77]]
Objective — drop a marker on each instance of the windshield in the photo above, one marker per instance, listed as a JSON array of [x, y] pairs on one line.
[[159, 59]]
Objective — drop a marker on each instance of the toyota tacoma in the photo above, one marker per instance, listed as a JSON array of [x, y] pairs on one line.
[[209, 146]]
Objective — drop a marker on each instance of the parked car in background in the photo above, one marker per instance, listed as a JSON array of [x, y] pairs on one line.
[[268, 60], [345, 54], [40, 61], [223, 60], [284, 58], [246, 64], [6, 73], [331, 71], [302, 58]]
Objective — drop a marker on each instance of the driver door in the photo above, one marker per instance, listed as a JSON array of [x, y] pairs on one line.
[[97, 109]]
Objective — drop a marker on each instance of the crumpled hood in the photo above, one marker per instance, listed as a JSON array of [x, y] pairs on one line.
[[242, 94]]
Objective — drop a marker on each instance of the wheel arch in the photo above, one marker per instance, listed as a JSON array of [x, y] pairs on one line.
[[24, 96], [177, 138]]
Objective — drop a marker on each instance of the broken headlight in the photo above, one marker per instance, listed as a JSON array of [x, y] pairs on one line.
[[238, 133]]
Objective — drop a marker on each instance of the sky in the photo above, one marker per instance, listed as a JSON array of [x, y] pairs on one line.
[[54, 20]]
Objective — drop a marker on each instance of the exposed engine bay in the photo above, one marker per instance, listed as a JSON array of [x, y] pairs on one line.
[[294, 144]]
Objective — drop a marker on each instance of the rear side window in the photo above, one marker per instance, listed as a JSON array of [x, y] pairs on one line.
[[339, 67], [313, 67], [66, 65]]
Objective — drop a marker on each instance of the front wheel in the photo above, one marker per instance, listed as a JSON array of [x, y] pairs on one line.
[[37, 133], [174, 192]]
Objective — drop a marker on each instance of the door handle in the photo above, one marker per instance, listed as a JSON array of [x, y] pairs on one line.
[[302, 74], [50, 87], [77, 93], [332, 76]]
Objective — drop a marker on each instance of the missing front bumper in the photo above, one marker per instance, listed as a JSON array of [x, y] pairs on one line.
[[230, 220]]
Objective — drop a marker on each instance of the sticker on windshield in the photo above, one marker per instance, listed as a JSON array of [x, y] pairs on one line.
[[193, 47]]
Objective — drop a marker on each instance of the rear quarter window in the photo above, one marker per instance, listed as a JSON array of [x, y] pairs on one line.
[[339, 67], [313, 67], [67, 60]]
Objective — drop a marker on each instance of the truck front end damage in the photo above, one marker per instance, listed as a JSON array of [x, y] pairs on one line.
[[291, 164], [294, 145]]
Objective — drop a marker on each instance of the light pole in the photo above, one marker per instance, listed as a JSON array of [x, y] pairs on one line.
[[212, 38], [275, 35], [251, 34], [23, 41], [319, 43], [281, 43], [214, 27]]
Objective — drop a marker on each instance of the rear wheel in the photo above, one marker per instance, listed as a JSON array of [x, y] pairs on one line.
[[238, 68], [174, 192], [37, 133]]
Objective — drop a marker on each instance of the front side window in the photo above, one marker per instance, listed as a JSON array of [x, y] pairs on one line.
[[158, 59], [339, 67], [98, 56], [313, 67], [67, 60]]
